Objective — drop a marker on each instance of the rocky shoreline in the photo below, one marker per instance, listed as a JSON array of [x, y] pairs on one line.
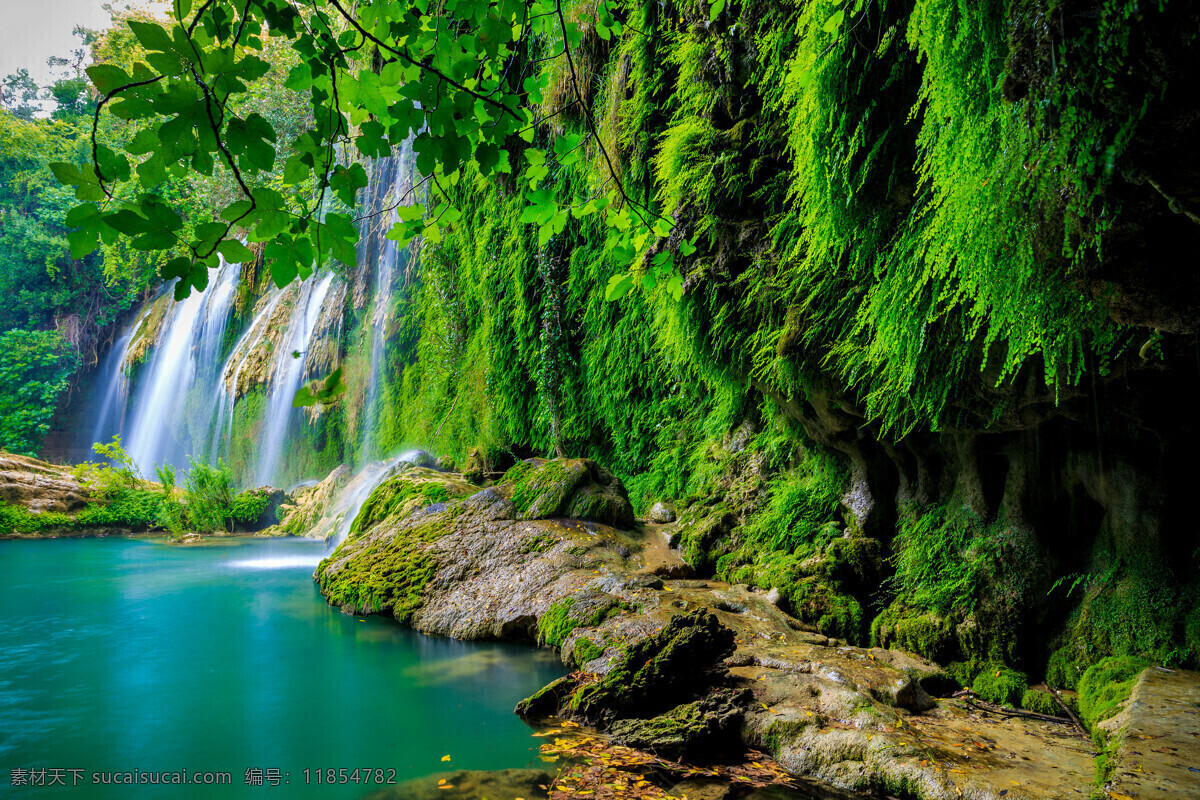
[[679, 668], [683, 668]]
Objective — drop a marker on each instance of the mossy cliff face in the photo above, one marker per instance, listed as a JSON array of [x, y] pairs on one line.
[[932, 339]]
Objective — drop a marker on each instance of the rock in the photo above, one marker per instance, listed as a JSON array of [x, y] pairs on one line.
[[39, 487], [312, 511], [1163, 709], [702, 731], [476, 467], [545, 701], [658, 673], [908, 693], [774, 597], [577, 488], [643, 582], [445, 463], [418, 458], [661, 513]]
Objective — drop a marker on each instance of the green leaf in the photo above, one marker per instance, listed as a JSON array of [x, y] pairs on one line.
[[151, 36], [618, 286], [106, 77], [235, 252], [834, 21], [295, 171]]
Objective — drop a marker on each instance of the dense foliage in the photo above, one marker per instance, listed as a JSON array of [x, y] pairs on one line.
[[35, 368]]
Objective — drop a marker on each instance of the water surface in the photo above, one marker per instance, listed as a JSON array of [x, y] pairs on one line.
[[123, 655]]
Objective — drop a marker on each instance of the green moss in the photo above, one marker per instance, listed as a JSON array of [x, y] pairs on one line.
[[386, 575], [1063, 670], [1041, 702], [1105, 687], [565, 615], [999, 684], [925, 634], [556, 623], [585, 650], [400, 495]]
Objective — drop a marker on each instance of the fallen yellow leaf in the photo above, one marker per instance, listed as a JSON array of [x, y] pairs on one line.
[[446, 757]]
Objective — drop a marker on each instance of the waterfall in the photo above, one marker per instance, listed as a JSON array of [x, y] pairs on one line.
[[391, 186], [112, 381], [162, 416], [287, 373], [227, 385], [334, 525]]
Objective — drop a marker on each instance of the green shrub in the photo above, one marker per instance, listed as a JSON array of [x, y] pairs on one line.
[[170, 512], [207, 497], [1106, 685], [247, 507]]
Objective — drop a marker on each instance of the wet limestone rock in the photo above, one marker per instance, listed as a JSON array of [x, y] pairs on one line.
[[1156, 753], [309, 505], [39, 487], [484, 565], [658, 673], [661, 513], [706, 730], [658, 694]]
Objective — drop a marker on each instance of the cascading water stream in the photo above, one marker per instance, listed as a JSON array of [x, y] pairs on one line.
[[226, 390], [334, 525], [187, 351], [112, 378], [391, 186], [162, 417], [287, 373]]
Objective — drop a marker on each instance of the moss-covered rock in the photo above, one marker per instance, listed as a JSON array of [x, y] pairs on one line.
[[586, 609], [652, 676], [1106, 685], [389, 574], [411, 489], [585, 650], [918, 632], [705, 730], [577, 488], [999, 684]]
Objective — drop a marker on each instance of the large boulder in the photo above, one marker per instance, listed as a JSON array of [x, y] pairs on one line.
[[567, 487]]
